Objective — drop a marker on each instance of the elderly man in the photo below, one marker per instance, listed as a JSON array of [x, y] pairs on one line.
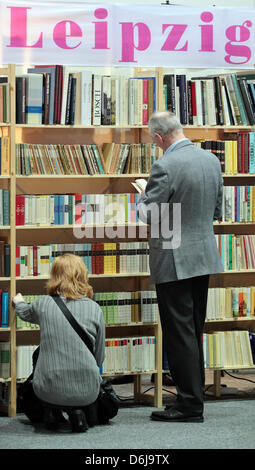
[[182, 198]]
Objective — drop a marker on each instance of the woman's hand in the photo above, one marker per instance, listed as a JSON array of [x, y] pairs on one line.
[[16, 299]]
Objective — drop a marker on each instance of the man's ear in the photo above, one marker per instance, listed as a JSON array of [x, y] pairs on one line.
[[159, 139]]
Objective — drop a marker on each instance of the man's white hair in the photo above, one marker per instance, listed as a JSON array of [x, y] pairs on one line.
[[164, 123]]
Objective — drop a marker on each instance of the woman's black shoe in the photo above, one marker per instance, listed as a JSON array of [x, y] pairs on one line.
[[50, 420], [78, 420]]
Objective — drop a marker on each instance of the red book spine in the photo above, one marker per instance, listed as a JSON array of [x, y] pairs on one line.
[[18, 210], [193, 99], [35, 260], [22, 210], [132, 211], [242, 152], [78, 208], [17, 261]]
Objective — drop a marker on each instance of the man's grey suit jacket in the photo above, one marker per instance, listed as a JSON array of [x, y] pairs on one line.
[[191, 177]]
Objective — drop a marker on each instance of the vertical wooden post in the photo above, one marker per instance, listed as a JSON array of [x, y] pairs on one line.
[[217, 379], [12, 395], [158, 366]]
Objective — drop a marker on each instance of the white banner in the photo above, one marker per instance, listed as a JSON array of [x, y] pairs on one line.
[[126, 35]]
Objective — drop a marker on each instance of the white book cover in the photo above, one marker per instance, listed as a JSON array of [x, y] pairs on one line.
[[97, 97], [34, 96], [140, 185], [86, 97], [199, 103]]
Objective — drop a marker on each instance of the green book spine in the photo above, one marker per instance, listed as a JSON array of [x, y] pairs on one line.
[[239, 100], [6, 207]]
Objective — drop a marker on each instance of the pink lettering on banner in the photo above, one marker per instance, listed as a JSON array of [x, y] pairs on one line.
[[66, 29], [128, 45], [18, 37], [100, 29], [238, 33], [206, 32], [174, 37]]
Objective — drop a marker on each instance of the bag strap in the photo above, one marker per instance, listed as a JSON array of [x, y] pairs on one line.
[[79, 330]]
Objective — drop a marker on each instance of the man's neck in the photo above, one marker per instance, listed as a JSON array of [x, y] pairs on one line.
[[171, 140]]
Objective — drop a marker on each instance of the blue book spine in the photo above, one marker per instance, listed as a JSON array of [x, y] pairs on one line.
[[251, 152], [5, 310], [89, 266], [61, 209], [56, 209], [137, 198]]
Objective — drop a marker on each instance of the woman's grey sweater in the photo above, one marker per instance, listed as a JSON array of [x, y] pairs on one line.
[[66, 372]]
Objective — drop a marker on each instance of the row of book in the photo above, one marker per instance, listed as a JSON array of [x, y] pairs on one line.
[[138, 159], [5, 371], [109, 158], [24, 363], [59, 159], [5, 259], [76, 208], [226, 99], [235, 156], [117, 308], [141, 306], [230, 302], [5, 156], [222, 349], [100, 258], [136, 354], [4, 207], [228, 349], [238, 204], [237, 251], [61, 95]]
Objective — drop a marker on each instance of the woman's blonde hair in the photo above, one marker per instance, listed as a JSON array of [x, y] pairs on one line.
[[69, 277]]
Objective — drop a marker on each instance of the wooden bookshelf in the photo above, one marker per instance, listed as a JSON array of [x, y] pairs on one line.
[[113, 183]]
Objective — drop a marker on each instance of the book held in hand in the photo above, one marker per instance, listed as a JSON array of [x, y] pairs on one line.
[[140, 185]]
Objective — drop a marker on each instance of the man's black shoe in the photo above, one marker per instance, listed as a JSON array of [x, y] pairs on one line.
[[172, 415]]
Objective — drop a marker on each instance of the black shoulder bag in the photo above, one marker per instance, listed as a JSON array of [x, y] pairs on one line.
[[108, 401]]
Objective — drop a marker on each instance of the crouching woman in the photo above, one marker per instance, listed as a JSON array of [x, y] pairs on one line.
[[66, 375]]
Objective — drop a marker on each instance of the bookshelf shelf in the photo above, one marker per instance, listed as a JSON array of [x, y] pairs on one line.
[[91, 276], [230, 320], [89, 177], [113, 325], [49, 227], [231, 367]]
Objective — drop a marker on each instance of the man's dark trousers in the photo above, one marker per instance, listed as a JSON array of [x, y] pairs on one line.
[[182, 308]]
